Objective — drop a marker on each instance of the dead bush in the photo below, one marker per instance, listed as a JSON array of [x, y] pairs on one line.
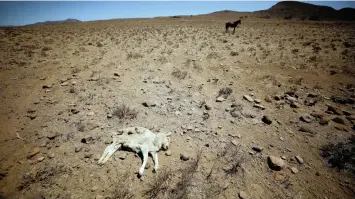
[[159, 187], [179, 74], [123, 190], [44, 175], [225, 92], [124, 112], [340, 155]]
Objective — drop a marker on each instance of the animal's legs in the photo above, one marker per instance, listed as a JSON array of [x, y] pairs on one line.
[[155, 159], [145, 159], [234, 30], [112, 148]]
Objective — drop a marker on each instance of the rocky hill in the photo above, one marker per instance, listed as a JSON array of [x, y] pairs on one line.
[[56, 22]]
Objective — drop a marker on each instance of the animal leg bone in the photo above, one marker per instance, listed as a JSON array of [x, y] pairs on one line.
[[155, 159], [145, 159], [112, 148]]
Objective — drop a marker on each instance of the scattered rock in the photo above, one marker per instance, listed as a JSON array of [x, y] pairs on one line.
[[299, 159], [258, 101], [51, 135], [122, 155], [290, 99], [259, 106], [184, 157], [51, 155], [257, 149], [306, 118], [334, 110], [340, 127], [268, 99], [295, 105], [350, 117], [247, 97], [47, 86], [277, 97], [74, 111], [235, 114], [40, 159], [317, 114], [208, 107], [338, 120], [64, 84], [243, 195], [324, 121], [116, 74], [88, 155], [294, 170], [78, 149], [248, 114], [234, 142], [305, 129], [220, 99], [266, 119], [92, 113], [149, 104], [34, 152], [109, 115], [168, 153], [276, 163]]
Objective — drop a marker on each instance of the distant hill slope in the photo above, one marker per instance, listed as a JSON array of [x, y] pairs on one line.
[[55, 22], [306, 10]]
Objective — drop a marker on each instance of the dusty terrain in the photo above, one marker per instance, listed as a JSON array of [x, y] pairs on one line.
[[62, 87]]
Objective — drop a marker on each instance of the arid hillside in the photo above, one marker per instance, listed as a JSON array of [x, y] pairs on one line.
[[252, 114]]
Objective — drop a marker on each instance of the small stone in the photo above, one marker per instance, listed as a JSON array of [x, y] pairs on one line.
[[306, 118], [147, 166], [248, 98], [290, 99], [74, 111], [40, 159], [248, 114], [294, 170], [116, 74], [243, 195], [88, 155], [295, 105], [259, 106], [220, 99], [78, 149], [268, 99], [283, 157], [34, 152], [109, 115], [168, 153], [97, 157], [324, 121], [258, 101], [184, 157], [46, 86], [305, 129], [51, 135], [235, 114], [277, 97], [299, 159], [208, 107], [257, 149], [91, 113], [317, 114], [64, 84], [149, 104], [51, 155], [276, 163], [340, 127], [334, 110], [122, 155], [338, 120], [266, 119], [234, 142]]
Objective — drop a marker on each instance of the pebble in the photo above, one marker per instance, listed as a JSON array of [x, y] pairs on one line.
[[220, 99], [122, 155], [91, 113], [295, 105], [34, 152], [324, 121], [334, 110], [299, 159], [184, 157], [51, 155], [78, 149], [168, 153], [258, 101], [259, 106], [266, 119], [247, 97], [306, 118], [276, 163], [243, 195], [257, 149], [88, 155], [317, 114], [208, 107], [338, 120], [268, 99], [51, 135], [294, 170], [40, 159], [305, 129]]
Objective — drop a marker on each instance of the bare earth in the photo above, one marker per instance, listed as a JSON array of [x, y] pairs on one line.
[[60, 85]]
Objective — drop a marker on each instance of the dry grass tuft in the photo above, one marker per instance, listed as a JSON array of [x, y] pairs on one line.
[[179, 74], [124, 112], [123, 190], [159, 187]]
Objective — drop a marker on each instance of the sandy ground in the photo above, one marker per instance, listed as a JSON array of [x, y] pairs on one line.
[[60, 86]]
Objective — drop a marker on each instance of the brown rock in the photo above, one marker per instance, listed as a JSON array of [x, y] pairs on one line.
[[266, 119], [340, 127], [248, 98], [324, 120], [294, 170], [334, 110], [51, 135], [317, 114], [338, 120], [276, 163], [34, 152], [268, 99], [299, 159], [243, 195]]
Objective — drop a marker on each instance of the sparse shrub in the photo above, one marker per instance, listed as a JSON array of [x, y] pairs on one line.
[[124, 112], [131, 55], [234, 53], [225, 91], [160, 185], [340, 155], [179, 74], [123, 190]]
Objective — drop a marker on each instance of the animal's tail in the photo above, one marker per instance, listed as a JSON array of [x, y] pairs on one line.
[[110, 149]]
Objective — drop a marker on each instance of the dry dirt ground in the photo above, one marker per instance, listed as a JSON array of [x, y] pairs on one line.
[[62, 88]]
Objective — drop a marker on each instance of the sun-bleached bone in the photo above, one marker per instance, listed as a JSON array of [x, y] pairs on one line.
[[139, 140]]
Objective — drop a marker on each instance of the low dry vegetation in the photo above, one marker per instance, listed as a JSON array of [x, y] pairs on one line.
[[266, 112]]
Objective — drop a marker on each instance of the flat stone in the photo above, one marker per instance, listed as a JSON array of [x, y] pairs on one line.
[[258, 101], [91, 113], [257, 148], [259, 106], [306, 118], [299, 159], [340, 127], [78, 149], [122, 155], [51, 135], [248, 98], [243, 195], [168, 153], [294, 170], [339, 120], [266, 119], [34, 152], [334, 110], [317, 114], [184, 157], [88, 155], [324, 120], [40, 159], [208, 107], [268, 99], [220, 99]]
